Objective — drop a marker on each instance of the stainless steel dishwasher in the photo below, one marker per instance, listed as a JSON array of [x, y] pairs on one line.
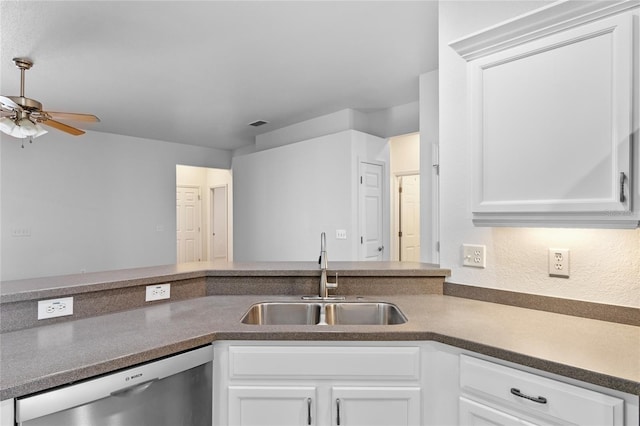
[[172, 391]]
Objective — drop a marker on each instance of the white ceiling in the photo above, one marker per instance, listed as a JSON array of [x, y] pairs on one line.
[[199, 72]]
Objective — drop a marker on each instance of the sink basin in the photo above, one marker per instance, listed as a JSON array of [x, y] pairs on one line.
[[276, 313], [335, 313], [363, 313]]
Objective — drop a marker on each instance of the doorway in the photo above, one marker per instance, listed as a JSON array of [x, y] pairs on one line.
[[214, 215], [405, 198]]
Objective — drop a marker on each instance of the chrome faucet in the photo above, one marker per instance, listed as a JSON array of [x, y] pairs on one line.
[[324, 264]]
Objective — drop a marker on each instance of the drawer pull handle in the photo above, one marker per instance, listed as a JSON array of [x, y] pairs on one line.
[[309, 411], [622, 178], [538, 399]]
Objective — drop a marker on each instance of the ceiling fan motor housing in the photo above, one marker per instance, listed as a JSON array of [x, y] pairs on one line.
[[26, 103]]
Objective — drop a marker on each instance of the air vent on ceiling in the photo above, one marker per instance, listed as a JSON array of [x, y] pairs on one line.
[[258, 123]]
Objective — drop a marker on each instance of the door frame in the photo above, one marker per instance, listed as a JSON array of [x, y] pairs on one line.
[[211, 219]]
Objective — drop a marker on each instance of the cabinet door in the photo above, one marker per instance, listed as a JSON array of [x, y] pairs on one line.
[[272, 405], [375, 406], [475, 414], [552, 123]]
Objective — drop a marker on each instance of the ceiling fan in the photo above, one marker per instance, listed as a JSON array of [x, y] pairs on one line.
[[21, 117]]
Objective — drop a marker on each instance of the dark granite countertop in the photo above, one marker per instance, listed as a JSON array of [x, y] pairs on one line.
[[599, 352]]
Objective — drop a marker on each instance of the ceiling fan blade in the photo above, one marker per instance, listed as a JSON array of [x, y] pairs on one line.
[[89, 118], [9, 103], [61, 126]]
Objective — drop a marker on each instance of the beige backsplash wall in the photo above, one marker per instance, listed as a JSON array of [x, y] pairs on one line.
[[604, 263]]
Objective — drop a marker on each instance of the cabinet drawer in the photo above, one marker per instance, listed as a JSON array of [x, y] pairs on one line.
[[397, 363], [537, 394]]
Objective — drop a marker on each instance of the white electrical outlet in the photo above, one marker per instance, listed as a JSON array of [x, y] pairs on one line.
[[53, 308], [157, 292], [559, 263], [474, 255]]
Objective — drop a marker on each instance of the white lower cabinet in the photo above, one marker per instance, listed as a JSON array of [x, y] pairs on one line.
[[272, 405], [512, 396], [320, 384], [376, 406], [475, 414], [396, 384], [299, 405], [6, 412]]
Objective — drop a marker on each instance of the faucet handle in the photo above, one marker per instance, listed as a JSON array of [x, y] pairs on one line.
[[333, 284]]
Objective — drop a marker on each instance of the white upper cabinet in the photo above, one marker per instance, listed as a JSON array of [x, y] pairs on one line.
[[553, 110]]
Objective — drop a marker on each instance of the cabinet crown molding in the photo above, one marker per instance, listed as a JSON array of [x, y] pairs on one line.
[[556, 17]]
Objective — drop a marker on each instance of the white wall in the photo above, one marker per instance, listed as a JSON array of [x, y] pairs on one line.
[[95, 202], [429, 185], [405, 154], [394, 121], [605, 264], [384, 123], [318, 126], [286, 196]]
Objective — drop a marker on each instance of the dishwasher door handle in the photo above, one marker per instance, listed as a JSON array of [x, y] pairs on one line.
[[134, 390]]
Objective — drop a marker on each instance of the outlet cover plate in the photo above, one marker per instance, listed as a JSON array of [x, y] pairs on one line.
[[157, 292], [53, 308], [474, 255], [559, 262]]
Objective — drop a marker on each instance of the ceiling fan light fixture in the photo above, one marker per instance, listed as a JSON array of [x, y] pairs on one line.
[[23, 128], [7, 125], [40, 131], [27, 127]]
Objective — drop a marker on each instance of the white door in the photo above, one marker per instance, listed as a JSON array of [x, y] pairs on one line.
[[474, 414], [188, 223], [272, 405], [409, 224], [219, 224], [370, 201], [372, 406]]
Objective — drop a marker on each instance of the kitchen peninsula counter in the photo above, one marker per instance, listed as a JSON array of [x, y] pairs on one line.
[[64, 285], [42, 357]]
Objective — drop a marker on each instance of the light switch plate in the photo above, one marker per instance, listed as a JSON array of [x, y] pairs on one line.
[[341, 234]]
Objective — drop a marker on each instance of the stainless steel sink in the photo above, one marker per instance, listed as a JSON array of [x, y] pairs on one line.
[[274, 313], [330, 313], [363, 313]]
